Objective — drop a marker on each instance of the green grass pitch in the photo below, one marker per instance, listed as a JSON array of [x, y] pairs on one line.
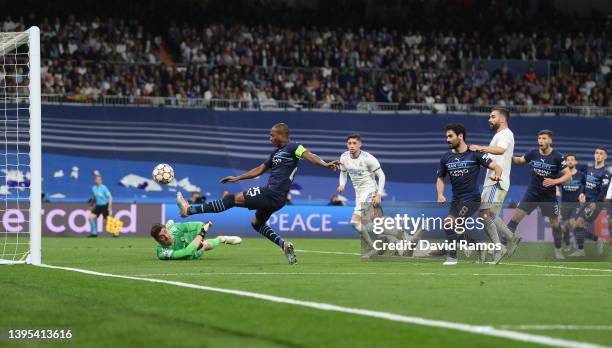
[[105, 312]]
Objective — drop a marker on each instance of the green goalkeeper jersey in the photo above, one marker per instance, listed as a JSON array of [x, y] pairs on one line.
[[183, 247]]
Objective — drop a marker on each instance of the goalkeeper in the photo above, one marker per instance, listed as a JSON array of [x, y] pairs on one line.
[[185, 241]]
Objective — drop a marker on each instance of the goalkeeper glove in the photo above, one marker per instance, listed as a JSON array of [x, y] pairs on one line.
[[205, 229]]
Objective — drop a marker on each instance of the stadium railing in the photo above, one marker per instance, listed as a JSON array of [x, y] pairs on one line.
[[288, 105]]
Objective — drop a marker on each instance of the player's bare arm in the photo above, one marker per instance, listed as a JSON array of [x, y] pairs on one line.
[[440, 190], [498, 171], [519, 160], [342, 181], [315, 159], [253, 173], [567, 175], [493, 150]]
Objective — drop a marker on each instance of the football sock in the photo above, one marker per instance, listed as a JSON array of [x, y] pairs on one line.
[[216, 206], [269, 233], [580, 232], [213, 243], [512, 226], [491, 229], [557, 236], [357, 226], [566, 235], [93, 226], [503, 229], [451, 237]]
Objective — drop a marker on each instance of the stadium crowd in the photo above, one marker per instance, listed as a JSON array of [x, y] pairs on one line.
[[264, 64]]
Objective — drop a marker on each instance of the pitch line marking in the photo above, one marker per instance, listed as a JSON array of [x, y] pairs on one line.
[[557, 327], [476, 329], [366, 273], [502, 263], [560, 267]]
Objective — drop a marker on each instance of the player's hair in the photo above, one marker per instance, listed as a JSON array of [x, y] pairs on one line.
[[602, 149], [281, 128], [502, 111], [571, 155], [156, 230], [355, 136], [458, 128], [546, 132]]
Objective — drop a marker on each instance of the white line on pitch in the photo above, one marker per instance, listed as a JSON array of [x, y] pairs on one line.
[[557, 327], [503, 263], [560, 267], [327, 252], [475, 329], [202, 274]]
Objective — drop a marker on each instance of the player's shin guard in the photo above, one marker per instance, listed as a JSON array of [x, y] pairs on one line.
[[215, 206], [93, 226], [580, 233], [557, 236], [491, 229], [269, 233]]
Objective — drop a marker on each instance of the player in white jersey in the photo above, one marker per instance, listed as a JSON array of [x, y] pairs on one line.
[[362, 168], [501, 149]]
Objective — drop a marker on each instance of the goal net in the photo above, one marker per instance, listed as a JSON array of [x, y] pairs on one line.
[[20, 147]]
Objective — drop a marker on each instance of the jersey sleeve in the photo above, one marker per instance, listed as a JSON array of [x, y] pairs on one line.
[[529, 156], [169, 254], [373, 164], [441, 169], [268, 162], [106, 192], [505, 139], [605, 185], [298, 150], [561, 162], [484, 159]]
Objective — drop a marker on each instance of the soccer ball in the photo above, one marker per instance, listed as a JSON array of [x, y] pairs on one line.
[[163, 173]]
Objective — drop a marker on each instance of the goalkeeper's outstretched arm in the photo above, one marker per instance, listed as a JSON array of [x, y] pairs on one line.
[[189, 251]]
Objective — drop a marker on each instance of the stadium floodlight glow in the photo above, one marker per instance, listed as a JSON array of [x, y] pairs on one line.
[[20, 147]]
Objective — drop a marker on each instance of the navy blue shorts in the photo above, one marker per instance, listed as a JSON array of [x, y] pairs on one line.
[[264, 201], [463, 209], [588, 214], [548, 204], [569, 210]]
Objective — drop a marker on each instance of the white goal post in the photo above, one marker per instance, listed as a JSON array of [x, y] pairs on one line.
[[20, 147]]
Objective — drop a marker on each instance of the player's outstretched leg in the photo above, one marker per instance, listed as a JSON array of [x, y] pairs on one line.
[[216, 206], [268, 232]]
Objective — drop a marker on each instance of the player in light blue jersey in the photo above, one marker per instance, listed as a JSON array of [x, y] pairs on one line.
[[102, 205]]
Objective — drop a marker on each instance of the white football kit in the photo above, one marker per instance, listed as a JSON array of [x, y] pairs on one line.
[[362, 171], [494, 193]]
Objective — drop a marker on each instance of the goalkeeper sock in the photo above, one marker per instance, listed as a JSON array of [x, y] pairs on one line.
[[557, 236], [213, 243], [269, 233], [579, 233], [93, 226], [216, 206]]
